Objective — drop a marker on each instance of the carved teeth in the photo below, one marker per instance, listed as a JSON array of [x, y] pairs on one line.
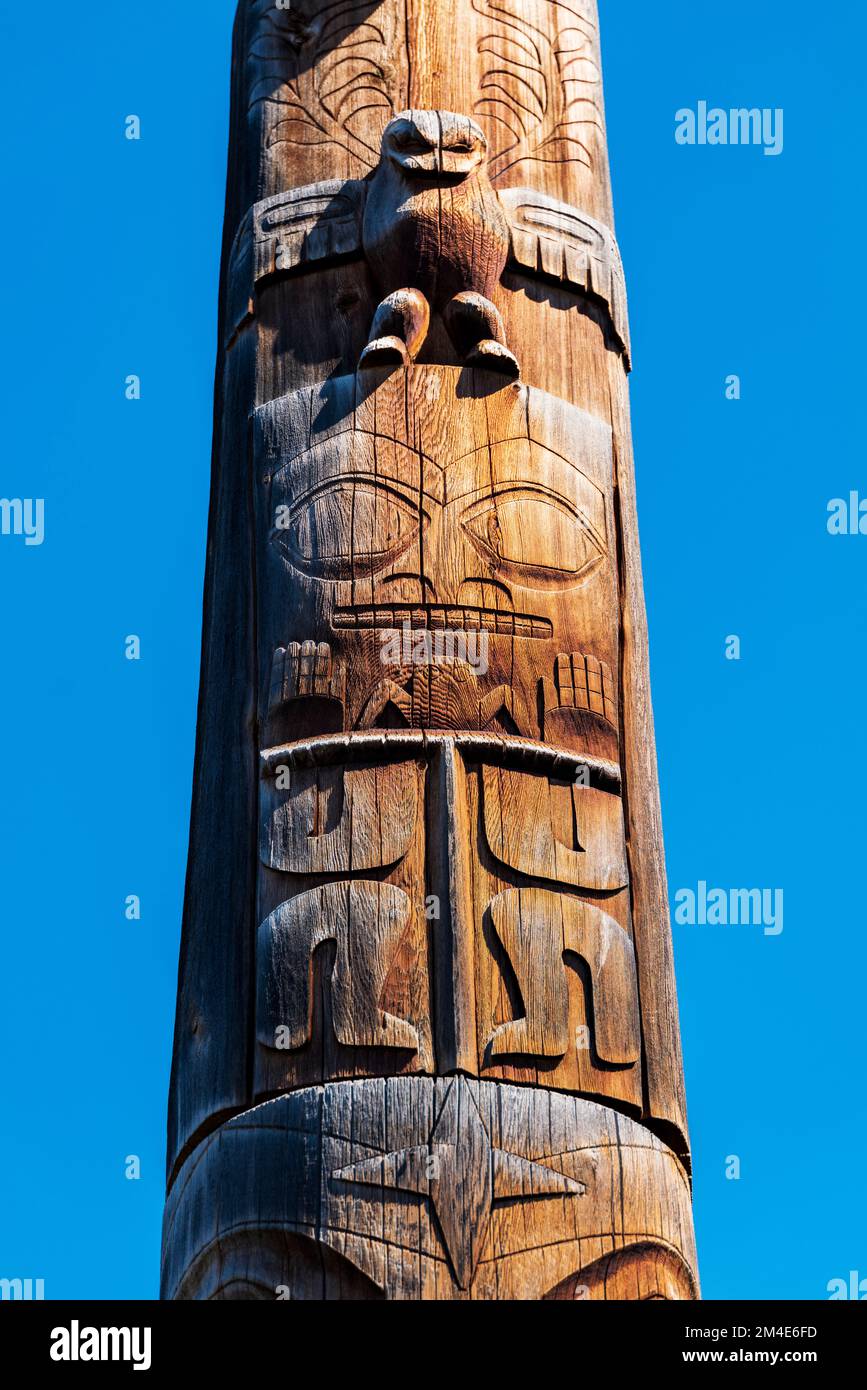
[[444, 616]]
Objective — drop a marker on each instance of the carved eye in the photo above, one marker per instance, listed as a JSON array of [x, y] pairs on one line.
[[411, 142], [346, 530], [540, 541]]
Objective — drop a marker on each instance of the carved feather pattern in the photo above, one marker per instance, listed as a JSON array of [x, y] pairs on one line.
[[339, 58], [540, 94]]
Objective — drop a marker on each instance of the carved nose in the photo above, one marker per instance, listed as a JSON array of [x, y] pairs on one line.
[[448, 163]]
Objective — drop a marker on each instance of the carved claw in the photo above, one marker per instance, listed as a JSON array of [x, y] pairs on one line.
[[385, 352], [400, 326], [476, 328], [494, 357]]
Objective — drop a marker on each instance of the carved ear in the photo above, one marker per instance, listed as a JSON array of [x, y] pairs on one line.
[[319, 222], [552, 239]]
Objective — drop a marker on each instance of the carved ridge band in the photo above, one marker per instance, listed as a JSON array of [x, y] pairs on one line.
[[396, 744]]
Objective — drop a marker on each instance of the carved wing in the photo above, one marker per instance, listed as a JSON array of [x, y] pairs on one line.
[[540, 86], [557, 241], [340, 74], [318, 222]]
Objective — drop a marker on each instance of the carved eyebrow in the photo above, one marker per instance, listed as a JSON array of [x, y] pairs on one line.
[[563, 474], [517, 491], [373, 482], [306, 474], [483, 480]]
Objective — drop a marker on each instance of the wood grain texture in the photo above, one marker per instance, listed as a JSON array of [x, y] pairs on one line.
[[373, 828], [426, 917], [419, 227], [317, 83], [572, 834], [437, 501], [367, 921]]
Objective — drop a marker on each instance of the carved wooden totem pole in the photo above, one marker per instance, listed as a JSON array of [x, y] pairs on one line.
[[427, 1040]]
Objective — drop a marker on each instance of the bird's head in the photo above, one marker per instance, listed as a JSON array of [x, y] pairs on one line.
[[437, 145]]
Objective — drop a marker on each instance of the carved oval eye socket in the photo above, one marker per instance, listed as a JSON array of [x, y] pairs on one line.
[[347, 529], [537, 540], [410, 142]]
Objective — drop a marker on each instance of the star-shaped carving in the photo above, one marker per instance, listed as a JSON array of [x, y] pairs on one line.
[[462, 1175]]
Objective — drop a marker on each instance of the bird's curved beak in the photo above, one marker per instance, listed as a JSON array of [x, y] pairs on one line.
[[451, 165]]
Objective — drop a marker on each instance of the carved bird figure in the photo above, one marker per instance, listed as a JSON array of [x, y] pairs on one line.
[[436, 237]]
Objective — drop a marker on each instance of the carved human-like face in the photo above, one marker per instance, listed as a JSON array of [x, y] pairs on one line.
[[434, 145], [420, 509]]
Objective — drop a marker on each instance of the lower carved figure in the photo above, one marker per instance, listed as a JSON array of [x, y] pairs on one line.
[[415, 1188]]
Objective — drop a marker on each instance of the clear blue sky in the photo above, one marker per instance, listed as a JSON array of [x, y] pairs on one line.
[[737, 263]]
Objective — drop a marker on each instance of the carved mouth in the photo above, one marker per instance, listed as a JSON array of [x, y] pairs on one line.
[[439, 617]]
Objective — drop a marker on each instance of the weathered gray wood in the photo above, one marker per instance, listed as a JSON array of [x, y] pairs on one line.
[[537, 928], [422, 1188], [367, 922]]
